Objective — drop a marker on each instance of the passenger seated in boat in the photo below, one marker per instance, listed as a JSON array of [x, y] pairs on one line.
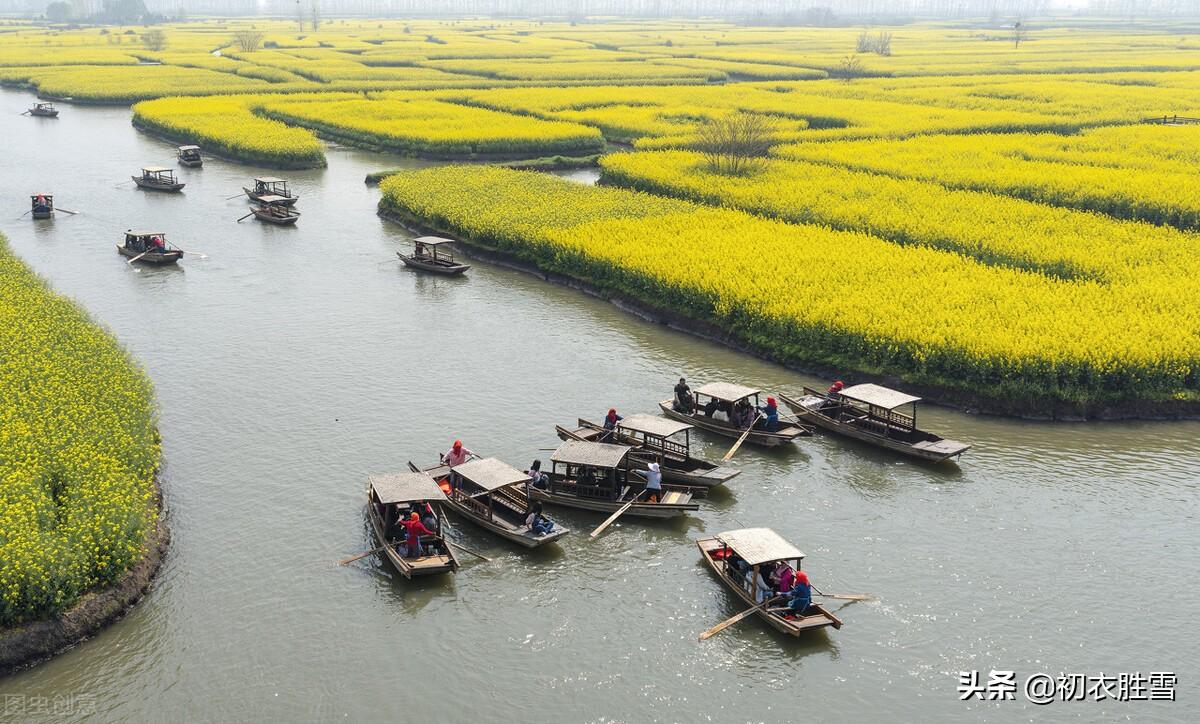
[[833, 395], [538, 479], [801, 596], [742, 415], [653, 483], [538, 523], [457, 454], [156, 243], [761, 589], [770, 411], [785, 577], [414, 529], [684, 402], [418, 250], [587, 476], [610, 423]]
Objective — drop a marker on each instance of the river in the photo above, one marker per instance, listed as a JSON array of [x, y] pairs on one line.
[[291, 363]]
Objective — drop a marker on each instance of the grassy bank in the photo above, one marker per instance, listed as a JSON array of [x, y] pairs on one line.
[[78, 451]]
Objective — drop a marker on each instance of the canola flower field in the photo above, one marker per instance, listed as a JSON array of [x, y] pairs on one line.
[[78, 450]]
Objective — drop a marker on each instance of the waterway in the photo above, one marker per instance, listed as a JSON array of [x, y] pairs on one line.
[[290, 363]]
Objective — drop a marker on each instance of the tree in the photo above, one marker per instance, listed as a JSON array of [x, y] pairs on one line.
[[248, 40], [850, 68], [123, 12], [1020, 30], [155, 39], [734, 144], [58, 12]]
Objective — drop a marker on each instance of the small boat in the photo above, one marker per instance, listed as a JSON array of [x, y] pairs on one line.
[[275, 210], [595, 476], [190, 156], [430, 254], [43, 110], [722, 398], [157, 178], [144, 246], [43, 205], [757, 546], [650, 436], [491, 494], [391, 496], [875, 415], [271, 186]]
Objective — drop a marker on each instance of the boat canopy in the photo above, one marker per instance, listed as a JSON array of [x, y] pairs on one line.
[[759, 545], [269, 180], [145, 233], [272, 199], [405, 488], [155, 169], [189, 148], [727, 392], [653, 425], [432, 240], [595, 454], [878, 396], [490, 473]]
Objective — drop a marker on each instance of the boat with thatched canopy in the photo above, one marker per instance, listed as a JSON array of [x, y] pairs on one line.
[[157, 178], [43, 109], [150, 247], [190, 156], [391, 496], [42, 205], [433, 254], [724, 398], [271, 186]]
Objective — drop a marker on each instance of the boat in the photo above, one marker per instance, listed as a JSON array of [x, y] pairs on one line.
[[275, 210], [390, 496], [491, 494], [157, 178], [757, 546], [655, 439], [43, 110], [271, 186], [42, 205], [876, 415], [429, 254], [722, 396], [138, 243], [595, 476], [190, 156]]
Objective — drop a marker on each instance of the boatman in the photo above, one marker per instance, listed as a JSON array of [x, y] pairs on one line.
[[833, 394], [801, 596], [610, 423], [653, 483], [457, 454], [415, 529], [771, 412], [684, 402]]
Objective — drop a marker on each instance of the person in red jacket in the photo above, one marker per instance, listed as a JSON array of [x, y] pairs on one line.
[[415, 529]]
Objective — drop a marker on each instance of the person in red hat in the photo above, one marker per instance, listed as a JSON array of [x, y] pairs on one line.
[[415, 529], [457, 455], [610, 423], [833, 394], [770, 412], [801, 596]]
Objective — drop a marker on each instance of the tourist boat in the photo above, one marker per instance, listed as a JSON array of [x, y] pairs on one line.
[[190, 156], [722, 396], [157, 178], [390, 496], [757, 546], [137, 243], [491, 494], [655, 440], [42, 205], [595, 476], [275, 210], [43, 110], [876, 415], [271, 186], [430, 254]]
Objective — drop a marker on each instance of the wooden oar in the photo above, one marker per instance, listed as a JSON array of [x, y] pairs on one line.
[[193, 253], [734, 619], [139, 256], [247, 216], [741, 439], [845, 596], [31, 211], [464, 549], [351, 559], [231, 198], [66, 211], [600, 528]]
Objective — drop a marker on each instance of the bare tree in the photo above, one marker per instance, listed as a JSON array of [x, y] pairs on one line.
[[155, 39], [734, 144], [1019, 31], [248, 40], [850, 68]]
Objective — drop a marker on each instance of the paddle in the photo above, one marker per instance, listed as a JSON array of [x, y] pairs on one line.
[[139, 256], [231, 198], [351, 559], [193, 253], [600, 528], [464, 549], [845, 596], [66, 211], [741, 439], [734, 619], [23, 215], [247, 216]]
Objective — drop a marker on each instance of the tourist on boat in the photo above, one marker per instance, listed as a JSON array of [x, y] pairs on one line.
[[415, 529], [587, 476], [785, 577], [156, 243], [538, 523], [653, 483], [610, 423], [457, 455], [770, 411], [429, 520], [743, 414], [762, 588], [801, 595], [684, 402], [537, 478], [40, 203]]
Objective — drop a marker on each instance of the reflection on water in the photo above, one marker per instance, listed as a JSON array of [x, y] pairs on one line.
[[291, 363]]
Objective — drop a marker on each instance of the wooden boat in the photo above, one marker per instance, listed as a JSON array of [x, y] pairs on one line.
[[430, 253], [190, 156], [389, 496], [42, 205], [757, 546], [275, 210], [138, 242], [491, 494], [594, 476], [157, 178], [722, 398], [651, 437], [43, 110], [875, 415], [271, 186]]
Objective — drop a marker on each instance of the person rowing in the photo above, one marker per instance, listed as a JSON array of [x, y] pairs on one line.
[[610, 424]]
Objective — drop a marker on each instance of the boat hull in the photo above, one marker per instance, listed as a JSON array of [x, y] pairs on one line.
[[257, 197], [422, 265], [691, 471], [654, 511], [524, 539], [155, 186], [269, 218], [44, 114], [191, 164], [166, 257], [43, 214], [762, 438]]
